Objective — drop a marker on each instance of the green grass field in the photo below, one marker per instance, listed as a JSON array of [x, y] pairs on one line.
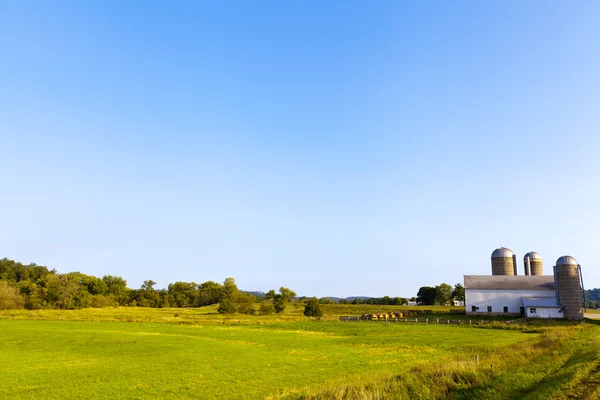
[[137, 353]]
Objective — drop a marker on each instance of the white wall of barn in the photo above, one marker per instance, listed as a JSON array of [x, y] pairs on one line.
[[498, 299], [544, 312]]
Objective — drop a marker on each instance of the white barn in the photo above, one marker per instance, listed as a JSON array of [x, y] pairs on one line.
[[533, 296]]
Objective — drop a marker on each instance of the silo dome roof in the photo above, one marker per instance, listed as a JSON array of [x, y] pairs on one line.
[[566, 260], [533, 256], [502, 252]]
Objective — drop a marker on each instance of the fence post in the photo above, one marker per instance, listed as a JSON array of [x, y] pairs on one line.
[[448, 322], [437, 320], [426, 320]]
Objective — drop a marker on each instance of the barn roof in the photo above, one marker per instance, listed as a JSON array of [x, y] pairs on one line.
[[547, 302], [510, 282]]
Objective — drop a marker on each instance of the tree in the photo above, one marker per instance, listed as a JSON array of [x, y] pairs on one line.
[[266, 308], [10, 299], [146, 296], [117, 287], [183, 294], [459, 292], [228, 301], [426, 296], [443, 294], [281, 299], [246, 303], [209, 293], [313, 308]]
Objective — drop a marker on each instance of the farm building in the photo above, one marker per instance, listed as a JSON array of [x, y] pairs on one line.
[[497, 294], [532, 295]]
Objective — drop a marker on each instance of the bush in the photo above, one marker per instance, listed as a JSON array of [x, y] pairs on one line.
[[313, 308], [226, 306], [266, 308], [10, 299]]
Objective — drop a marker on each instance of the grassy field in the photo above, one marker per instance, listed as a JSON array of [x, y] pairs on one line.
[[194, 353]]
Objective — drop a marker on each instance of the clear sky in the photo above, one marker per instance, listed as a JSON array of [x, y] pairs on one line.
[[337, 148]]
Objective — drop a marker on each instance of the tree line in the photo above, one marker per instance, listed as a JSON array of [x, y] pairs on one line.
[[592, 298], [440, 295], [36, 287]]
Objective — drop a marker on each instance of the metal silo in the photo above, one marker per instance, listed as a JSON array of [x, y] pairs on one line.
[[569, 287], [533, 264], [503, 262]]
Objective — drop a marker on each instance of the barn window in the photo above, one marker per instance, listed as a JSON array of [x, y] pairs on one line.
[[489, 308], [473, 308], [505, 309], [532, 310]]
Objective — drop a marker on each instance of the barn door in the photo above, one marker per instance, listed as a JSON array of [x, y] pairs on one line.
[[544, 313]]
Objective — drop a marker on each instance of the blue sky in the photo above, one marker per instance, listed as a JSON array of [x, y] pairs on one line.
[[337, 148]]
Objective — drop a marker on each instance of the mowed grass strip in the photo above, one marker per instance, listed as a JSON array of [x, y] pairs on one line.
[[73, 359]]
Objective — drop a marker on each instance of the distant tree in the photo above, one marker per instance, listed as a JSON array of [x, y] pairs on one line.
[[326, 300], [146, 296], [163, 299], [443, 294], [228, 301], [281, 299], [426, 296], [355, 301], [459, 292], [183, 294], [209, 293], [246, 303], [266, 308], [313, 308], [117, 287], [10, 299]]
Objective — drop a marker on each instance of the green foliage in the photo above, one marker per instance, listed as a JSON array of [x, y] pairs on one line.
[[426, 295], [10, 299], [459, 292], [313, 308], [209, 293], [246, 303], [41, 288], [266, 308], [443, 294], [228, 301], [184, 294], [280, 300]]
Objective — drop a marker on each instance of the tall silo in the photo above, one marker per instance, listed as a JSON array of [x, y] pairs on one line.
[[532, 262], [569, 287], [503, 262]]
